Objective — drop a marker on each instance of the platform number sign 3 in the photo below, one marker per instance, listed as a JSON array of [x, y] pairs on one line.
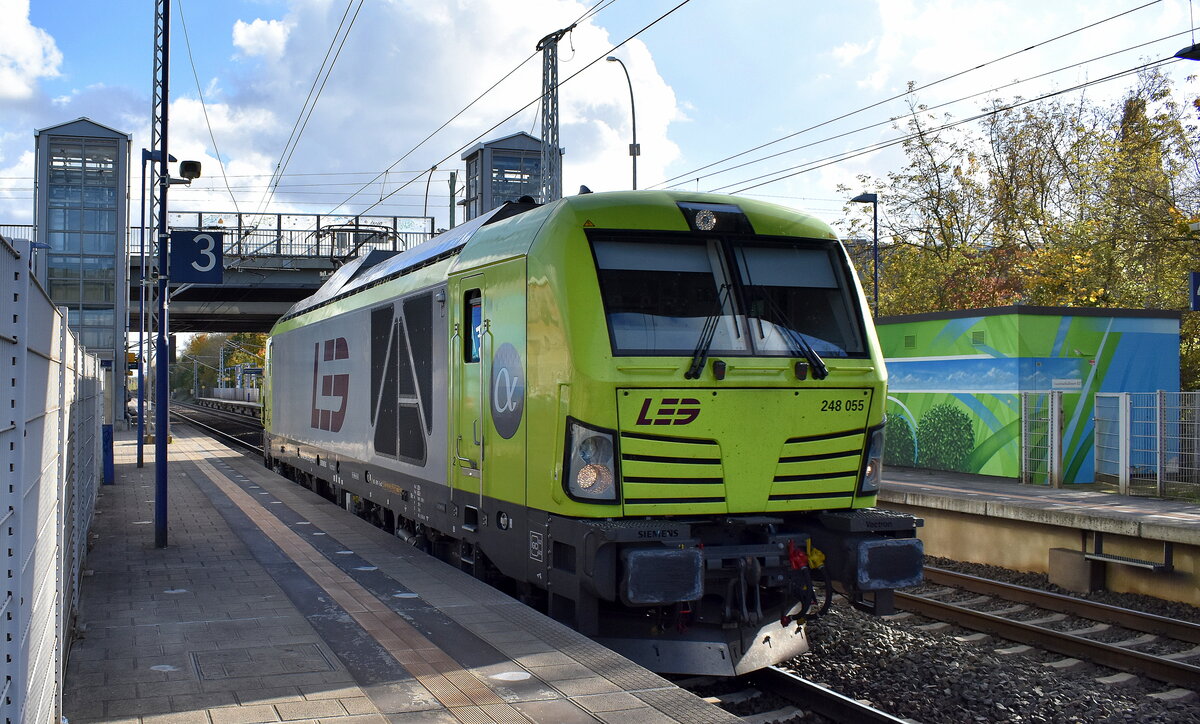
[[196, 257]]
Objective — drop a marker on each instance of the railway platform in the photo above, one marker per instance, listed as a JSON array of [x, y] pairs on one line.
[[241, 407], [1082, 537], [271, 604]]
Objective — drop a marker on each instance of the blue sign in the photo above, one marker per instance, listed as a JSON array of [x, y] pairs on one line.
[[196, 257], [1194, 277]]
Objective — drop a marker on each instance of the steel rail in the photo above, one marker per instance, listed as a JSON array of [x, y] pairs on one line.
[[1123, 617], [219, 434], [236, 416], [817, 698], [257, 416], [1155, 667]]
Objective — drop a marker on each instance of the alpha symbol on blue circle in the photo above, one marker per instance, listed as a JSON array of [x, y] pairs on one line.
[[508, 390]]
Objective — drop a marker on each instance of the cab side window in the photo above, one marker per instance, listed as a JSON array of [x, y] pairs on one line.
[[473, 320]]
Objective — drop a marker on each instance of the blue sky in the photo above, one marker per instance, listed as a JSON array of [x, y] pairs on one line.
[[714, 78]]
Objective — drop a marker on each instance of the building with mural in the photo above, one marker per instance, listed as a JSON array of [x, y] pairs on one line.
[[956, 380]]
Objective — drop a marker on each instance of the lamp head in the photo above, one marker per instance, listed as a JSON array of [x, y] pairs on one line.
[[190, 170], [1192, 52], [865, 199], [612, 59]]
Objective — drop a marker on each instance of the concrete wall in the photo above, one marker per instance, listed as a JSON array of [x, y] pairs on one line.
[[1025, 546]]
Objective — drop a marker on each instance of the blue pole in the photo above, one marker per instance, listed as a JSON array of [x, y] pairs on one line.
[[161, 393], [141, 402], [106, 433]]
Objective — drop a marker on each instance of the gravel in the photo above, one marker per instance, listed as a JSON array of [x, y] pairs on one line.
[[931, 677]]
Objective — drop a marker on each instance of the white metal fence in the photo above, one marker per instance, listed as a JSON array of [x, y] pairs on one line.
[[1148, 443], [50, 454], [1041, 438]]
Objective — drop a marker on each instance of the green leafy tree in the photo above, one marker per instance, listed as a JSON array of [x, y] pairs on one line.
[[945, 438], [899, 448], [200, 360], [1052, 203]]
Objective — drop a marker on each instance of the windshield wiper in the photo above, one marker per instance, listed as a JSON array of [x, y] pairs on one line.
[[795, 339], [819, 370], [707, 333]]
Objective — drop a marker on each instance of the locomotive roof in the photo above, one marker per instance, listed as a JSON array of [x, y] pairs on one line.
[[365, 270], [617, 209]]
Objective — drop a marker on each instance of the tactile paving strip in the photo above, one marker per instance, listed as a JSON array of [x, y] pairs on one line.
[[480, 609], [430, 666]]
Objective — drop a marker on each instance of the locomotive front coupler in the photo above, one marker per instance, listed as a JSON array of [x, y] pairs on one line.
[[869, 553]]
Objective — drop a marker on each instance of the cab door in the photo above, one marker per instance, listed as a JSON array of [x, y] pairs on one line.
[[467, 433], [488, 436]]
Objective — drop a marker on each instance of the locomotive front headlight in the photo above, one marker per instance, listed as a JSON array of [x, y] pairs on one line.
[[591, 468], [872, 470]]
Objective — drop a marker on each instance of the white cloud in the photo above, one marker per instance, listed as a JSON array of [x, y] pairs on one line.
[[397, 80], [26, 53], [16, 190], [266, 38], [847, 53]]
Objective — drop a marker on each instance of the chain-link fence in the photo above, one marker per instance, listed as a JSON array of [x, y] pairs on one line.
[[1041, 438], [1148, 443]]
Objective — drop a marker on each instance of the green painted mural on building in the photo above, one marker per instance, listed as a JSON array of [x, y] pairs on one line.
[[956, 380]]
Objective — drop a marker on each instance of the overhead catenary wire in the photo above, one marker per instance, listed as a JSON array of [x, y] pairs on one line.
[[514, 114], [690, 175], [314, 95], [806, 167], [591, 12], [938, 106], [204, 106]]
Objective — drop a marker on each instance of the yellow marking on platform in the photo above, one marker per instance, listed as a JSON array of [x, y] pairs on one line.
[[441, 676]]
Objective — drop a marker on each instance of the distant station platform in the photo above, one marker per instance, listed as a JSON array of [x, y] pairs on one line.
[[1149, 545], [250, 409], [271, 604]]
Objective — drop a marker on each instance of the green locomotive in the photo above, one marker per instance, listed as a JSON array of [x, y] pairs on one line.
[[659, 415]]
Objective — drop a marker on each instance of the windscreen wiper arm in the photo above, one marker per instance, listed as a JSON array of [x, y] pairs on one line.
[[707, 333], [819, 370], [796, 341]]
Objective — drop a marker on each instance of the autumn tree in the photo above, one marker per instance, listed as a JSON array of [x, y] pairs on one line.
[[200, 360], [1055, 203]]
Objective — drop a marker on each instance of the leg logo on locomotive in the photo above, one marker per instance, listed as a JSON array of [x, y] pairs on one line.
[[329, 407], [672, 411]]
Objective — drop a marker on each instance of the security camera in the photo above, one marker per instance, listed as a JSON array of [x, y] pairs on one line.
[[190, 170]]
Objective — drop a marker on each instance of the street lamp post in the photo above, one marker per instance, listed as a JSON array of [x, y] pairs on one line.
[[634, 149], [873, 200]]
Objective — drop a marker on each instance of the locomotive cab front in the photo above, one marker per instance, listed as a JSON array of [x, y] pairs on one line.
[[658, 414], [718, 392]]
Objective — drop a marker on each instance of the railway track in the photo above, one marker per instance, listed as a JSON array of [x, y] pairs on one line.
[[246, 425], [774, 694], [1004, 602]]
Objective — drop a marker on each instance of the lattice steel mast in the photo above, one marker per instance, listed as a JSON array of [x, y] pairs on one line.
[[551, 155], [161, 181]]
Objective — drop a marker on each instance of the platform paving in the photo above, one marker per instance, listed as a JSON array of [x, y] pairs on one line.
[[1070, 506], [271, 604]]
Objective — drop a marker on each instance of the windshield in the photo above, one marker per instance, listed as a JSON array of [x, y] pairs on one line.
[[793, 290], [659, 293], [658, 296]]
